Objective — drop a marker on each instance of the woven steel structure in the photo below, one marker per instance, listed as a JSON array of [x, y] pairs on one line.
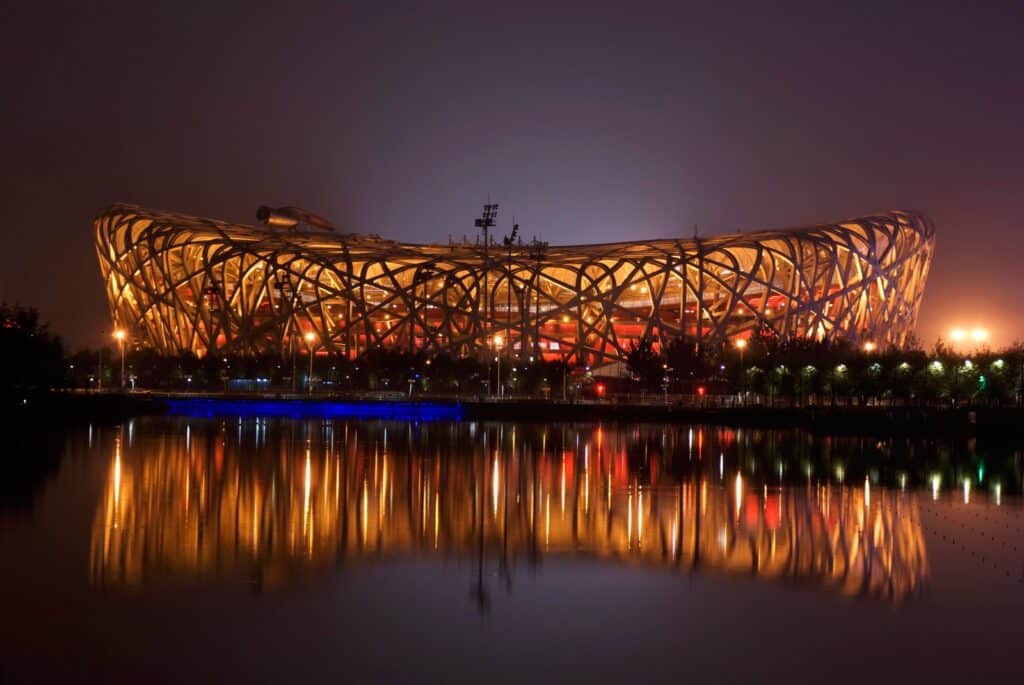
[[183, 283]]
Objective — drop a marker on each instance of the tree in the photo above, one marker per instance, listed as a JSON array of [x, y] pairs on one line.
[[644, 364], [31, 359], [686, 364]]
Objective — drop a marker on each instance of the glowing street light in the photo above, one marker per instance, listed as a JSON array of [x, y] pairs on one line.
[[976, 335], [497, 341], [741, 345], [310, 337], [120, 336], [869, 346]]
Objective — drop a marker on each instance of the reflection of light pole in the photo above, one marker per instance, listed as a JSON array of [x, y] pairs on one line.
[[310, 339], [741, 345], [119, 336]]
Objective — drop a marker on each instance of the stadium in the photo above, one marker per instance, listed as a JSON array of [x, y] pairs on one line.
[[181, 284]]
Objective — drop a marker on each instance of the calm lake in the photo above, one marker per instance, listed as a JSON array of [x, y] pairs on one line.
[[173, 549]]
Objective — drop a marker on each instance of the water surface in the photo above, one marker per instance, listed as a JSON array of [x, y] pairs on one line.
[[171, 549]]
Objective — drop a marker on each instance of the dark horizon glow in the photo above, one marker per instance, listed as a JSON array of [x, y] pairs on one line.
[[586, 125]]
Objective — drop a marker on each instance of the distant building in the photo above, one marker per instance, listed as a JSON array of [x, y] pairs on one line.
[[183, 283]]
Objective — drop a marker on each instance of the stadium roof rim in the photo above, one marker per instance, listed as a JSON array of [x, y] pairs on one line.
[[921, 221]]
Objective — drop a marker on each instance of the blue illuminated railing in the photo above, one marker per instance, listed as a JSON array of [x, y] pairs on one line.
[[297, 409]]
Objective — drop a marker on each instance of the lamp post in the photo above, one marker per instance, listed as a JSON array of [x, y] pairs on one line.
[[119, 336], [664, 381], [498, 341], [741, 345], [310, 339], [565, 374], [295, 369]]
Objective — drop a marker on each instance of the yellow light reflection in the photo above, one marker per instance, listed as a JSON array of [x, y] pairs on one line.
[[495, 485], [266, 511], [739, 494]]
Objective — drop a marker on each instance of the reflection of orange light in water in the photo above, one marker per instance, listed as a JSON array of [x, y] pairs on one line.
[[117, 475], [563, 489], [639, 518], [568, 463], [271, 509], [586, 491], [629, 520], [495, 485], [547, 520], [752, 513], [621, 470], [773, 511], [307, 484], [739, 494], [437, 517]]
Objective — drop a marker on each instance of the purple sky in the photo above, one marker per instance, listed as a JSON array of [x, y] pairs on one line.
[[618, 122]]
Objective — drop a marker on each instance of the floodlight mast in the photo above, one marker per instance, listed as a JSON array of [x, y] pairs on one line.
[[485, 223], [509, 240], [537, 250]]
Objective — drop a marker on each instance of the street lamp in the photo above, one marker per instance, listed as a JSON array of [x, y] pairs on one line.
[[665, 368], [310, 339], [869, 347], [498, 341], [741, 345], [119, 336]]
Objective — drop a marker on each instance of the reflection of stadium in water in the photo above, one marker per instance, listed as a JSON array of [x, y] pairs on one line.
[[270, 499]]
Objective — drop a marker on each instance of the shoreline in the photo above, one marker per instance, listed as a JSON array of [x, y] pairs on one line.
[[969, 421]]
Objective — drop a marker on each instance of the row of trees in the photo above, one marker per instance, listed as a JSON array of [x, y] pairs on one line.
[[800, 371], [379, 370], [806, 371]]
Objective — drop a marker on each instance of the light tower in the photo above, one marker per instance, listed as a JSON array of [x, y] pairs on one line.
[[485, 223], [509, 240]]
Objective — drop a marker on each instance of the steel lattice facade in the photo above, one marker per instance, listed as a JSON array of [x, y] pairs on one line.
[[183, 283]]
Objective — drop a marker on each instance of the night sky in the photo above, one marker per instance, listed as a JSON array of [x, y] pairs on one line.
[[615, 122]]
